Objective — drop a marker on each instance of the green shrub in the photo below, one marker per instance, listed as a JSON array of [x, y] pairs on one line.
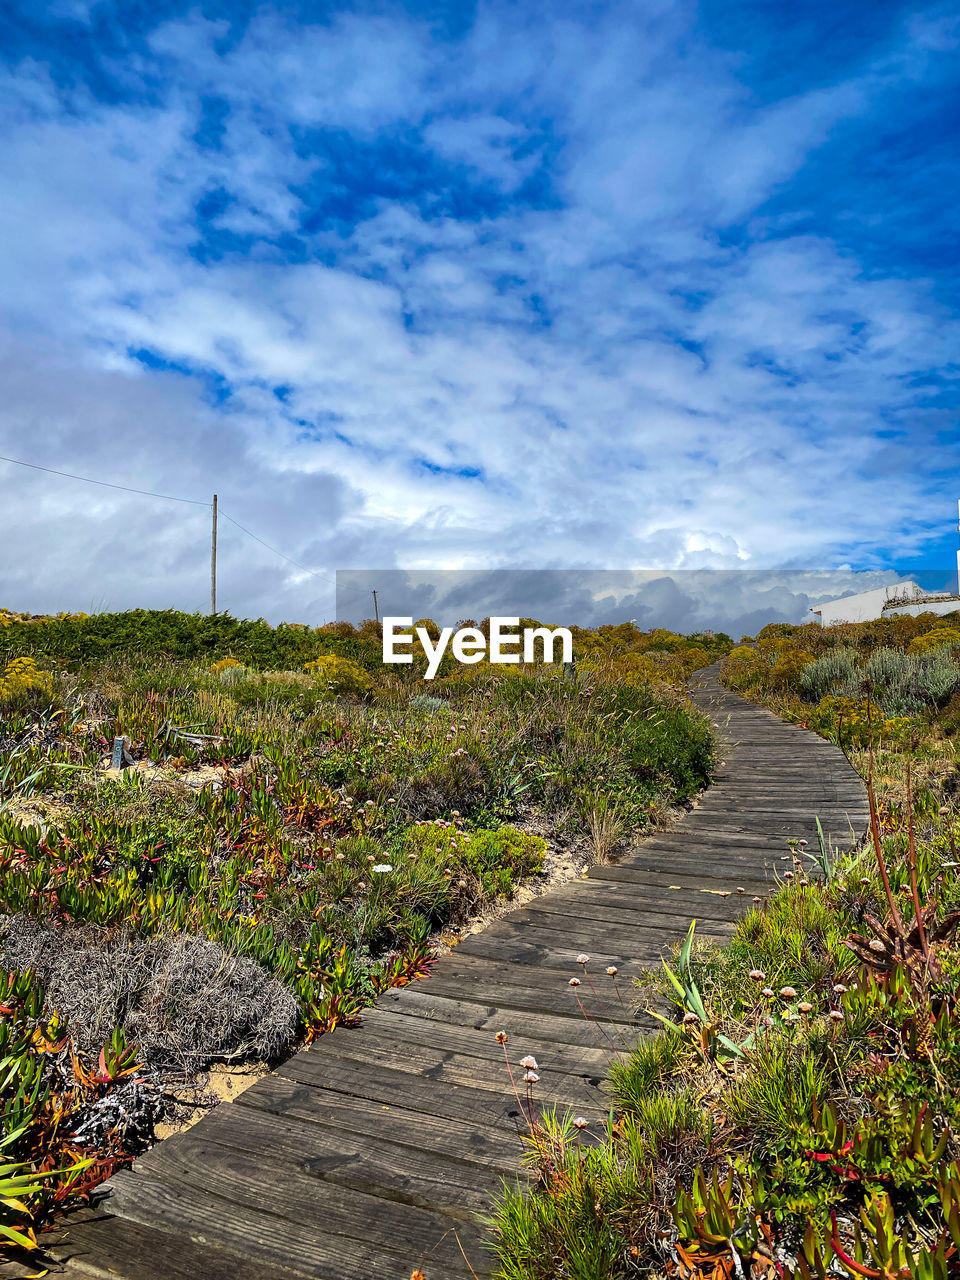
[[498, 858], [339, 675], [837, 673], [907, 684]]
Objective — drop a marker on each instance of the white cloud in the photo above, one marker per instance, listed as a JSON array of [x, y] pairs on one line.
[[601, 380]]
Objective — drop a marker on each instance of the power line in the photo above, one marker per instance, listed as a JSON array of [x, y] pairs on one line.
[[169, 497], [146, 493], [315, 573]]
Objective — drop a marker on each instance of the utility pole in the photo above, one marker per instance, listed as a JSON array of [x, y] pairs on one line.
[[213, 560], [376, 610]]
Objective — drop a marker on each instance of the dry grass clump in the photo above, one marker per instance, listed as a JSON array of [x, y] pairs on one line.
[[184, 1001]]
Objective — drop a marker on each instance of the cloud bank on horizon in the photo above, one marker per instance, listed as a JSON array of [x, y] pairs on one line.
[[505, 285]]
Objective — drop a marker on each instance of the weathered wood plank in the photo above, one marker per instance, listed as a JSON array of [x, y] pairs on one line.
[[113, 1248], [370, 1164], [306, 1243], [303, 1105], [424, 1001]]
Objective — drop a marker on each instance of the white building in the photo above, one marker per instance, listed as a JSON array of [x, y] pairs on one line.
[[898, 598]]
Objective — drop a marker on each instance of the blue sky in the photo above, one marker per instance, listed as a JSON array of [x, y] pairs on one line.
[[494, 285]]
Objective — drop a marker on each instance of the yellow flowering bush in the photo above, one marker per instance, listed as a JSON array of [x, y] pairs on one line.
[[23, 683], [743, 666], [938, 638], [851, 719], [785, 672], [340, 675], [224, 664]]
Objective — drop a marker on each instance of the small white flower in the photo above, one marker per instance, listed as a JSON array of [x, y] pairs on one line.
[[788, 993], [529, 1062], [877, 945], [379, 868], [757, 975], [574, 982], [836, 1015], [530, 1077], [582, 959], [839, 988], [612, 970], [580, 1122]]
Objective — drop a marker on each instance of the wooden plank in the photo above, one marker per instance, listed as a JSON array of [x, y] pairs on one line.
[[573, 1078], [531, 954], [541, 941], [660, 910], [399, 1028], [303, 1105], [309, 1245], [518, 996], [376, 1083], [112, 1248], [424, 1001], [370, 1164]]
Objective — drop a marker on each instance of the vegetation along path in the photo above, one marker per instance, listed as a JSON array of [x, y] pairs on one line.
[[369, 1153]]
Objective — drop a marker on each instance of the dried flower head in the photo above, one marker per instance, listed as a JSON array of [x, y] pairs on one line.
[[612, 970], [580, 1122], [583, 959], [839, 988], [836, 1015], [689, 1019], [876, 945], [757, 975], [788, 993], [804, 1006], [502, 1037], [574, 982], [529, 1062], [530, 1077], [767, 991]]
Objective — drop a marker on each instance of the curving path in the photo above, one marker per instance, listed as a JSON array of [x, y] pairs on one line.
[[358, 1158]]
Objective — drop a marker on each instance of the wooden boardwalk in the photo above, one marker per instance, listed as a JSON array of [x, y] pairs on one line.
[[369, 1153]]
